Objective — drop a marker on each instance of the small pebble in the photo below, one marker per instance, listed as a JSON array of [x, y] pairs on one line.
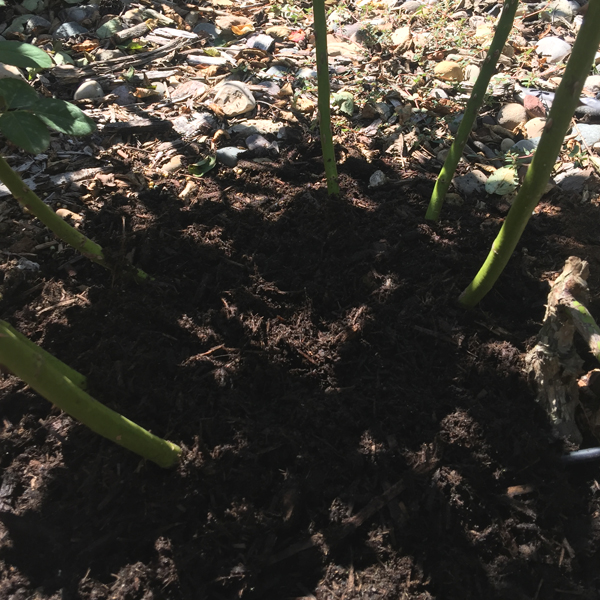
[[68, 30], [506, 144], [377, 179], [535, 127], [471, 183], [553, 48], [230, 155], [511, 115], [88, 90]]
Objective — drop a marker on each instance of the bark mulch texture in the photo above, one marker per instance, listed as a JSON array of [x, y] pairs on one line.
[[348, 431]]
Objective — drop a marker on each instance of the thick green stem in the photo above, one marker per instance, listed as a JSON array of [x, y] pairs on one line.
[[59, 384], [77, 378], [488, 68], [32, 202], [563, 107], [333, 188]]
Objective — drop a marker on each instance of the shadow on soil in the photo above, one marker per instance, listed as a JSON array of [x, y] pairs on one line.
[[309, 356]]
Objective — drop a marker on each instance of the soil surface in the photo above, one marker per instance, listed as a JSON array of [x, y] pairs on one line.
[[348, 430]]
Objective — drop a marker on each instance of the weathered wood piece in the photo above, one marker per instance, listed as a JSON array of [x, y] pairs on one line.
[[553, 363], [131, 33], [137, 126], [69, 74]]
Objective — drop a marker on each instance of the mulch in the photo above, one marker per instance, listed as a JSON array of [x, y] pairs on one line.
[[348, 431]]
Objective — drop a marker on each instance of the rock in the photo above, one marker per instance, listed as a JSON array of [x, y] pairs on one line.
[[590, 107], [229, 155], [124, 94], [487, 151], [261, 42], [25, 264], [592, 85], [192, 18], [77, 14], [226, 22], [526, 146], [411, 6], [36, 25], [448, 70], [438, 93], [263, 126], [88, 90], [202, 123], [442, 155], [471, 183], [68, 30], [189, 89], [10, 72], [277, 71], [573, 180], [472, 73], [559, 9], [535, 127], [102, 54], [511, 115], [234, 98], [65, 213], [347, 50], [259, 145], [484, 30], [306, 73], [174, 164], [279, 32], [455, 123], [453, 199], [402, 39], [506, 144], [207, 28], [377, 179], [534, 106], [266, 87], [589, 133], [553, 48]]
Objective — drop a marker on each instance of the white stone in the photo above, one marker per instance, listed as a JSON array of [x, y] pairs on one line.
[[263, 126], [401, 38], [511, 115], [234, 98], [535, 127], [10, 72], [88, 90], [553, 48], [448, 70], [592, 85]]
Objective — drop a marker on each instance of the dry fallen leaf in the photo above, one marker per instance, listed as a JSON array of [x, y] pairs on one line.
[[242, 29]]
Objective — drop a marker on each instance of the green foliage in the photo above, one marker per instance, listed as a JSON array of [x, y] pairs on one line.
[[26, 114], [16, 94], [63, 116], [502, 181], [25, 130], [344, 102], [23, 55], [203, 166]]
